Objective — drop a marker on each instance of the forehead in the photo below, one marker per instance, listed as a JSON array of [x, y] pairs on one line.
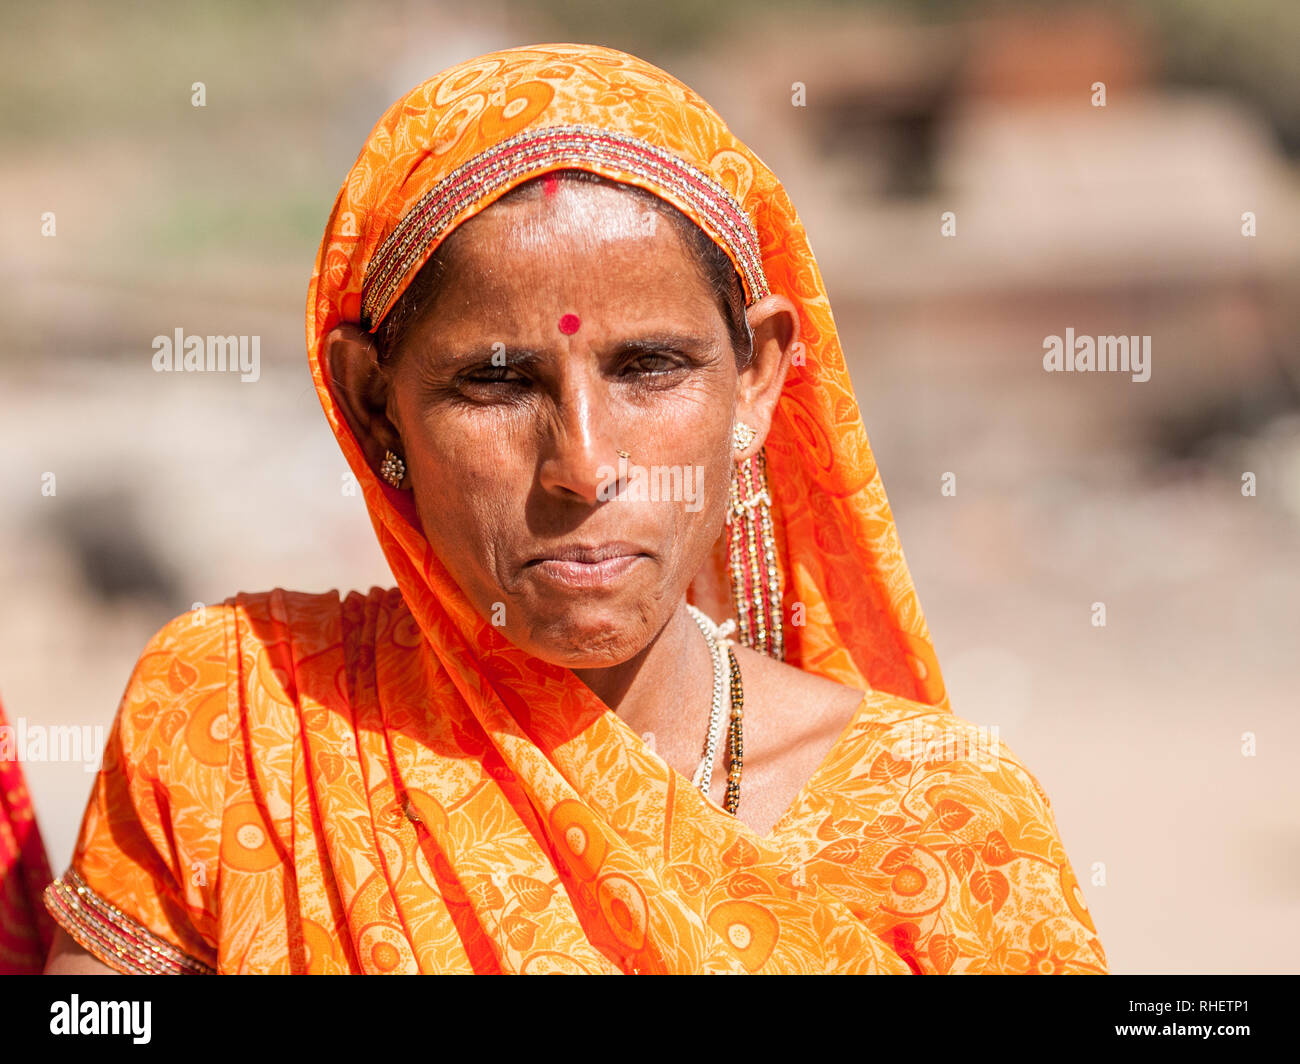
[[559, 216], [571, 240]]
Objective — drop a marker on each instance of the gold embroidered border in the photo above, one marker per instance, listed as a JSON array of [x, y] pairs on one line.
[[536, 151], [115, 938]]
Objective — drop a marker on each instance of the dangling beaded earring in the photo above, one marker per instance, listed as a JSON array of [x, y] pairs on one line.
[[751, 551], [393, 469]]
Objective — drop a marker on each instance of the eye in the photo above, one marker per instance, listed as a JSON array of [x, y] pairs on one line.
[[486, 385], [653, 365], [487, 375]]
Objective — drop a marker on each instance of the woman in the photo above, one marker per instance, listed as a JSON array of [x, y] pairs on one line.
[[574, 345]]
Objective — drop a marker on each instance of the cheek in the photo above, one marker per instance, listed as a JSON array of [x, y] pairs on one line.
[[685, 427], [697, 433], [692, 436], [466, 478], [453, 453]]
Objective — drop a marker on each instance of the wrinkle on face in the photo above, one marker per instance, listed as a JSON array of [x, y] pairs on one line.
[[501, 473]]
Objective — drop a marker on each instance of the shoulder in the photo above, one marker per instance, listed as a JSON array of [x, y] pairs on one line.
[[958, 787], [199, 650], [945, 748], [205, 663], [961, 827], [202, 627], [954, 777], [209, 634]]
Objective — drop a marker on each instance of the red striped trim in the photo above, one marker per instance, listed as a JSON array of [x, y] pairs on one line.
[[113, 937], [537, 151]]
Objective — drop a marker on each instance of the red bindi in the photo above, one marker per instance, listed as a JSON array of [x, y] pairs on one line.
[[569, 324]]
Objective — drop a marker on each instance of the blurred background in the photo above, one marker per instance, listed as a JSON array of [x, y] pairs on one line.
[[1072, 489]]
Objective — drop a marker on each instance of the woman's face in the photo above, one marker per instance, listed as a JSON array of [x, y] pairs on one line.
[[570, 327]]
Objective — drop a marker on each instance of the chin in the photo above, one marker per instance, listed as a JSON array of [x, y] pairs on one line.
[[587, 635]]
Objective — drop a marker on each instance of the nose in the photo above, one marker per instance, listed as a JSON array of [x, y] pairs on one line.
[[580, 461]]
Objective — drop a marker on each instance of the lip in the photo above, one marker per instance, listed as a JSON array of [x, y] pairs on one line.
[[586, 566]]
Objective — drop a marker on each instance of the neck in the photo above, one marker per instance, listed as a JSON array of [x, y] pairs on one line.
[[652, 688]]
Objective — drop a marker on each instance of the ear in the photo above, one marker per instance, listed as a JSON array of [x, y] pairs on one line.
[[360, 386], [774, 322]]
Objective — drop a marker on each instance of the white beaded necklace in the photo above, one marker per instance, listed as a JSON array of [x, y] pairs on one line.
[[716, 637]]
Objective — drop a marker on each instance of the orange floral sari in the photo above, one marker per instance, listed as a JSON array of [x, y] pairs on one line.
[[382, 783]]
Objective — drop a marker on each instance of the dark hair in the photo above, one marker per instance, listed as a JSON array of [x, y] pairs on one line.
[[716, 270]]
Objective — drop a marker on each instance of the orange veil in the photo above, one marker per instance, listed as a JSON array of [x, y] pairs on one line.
[[453, 145], [383, 783]]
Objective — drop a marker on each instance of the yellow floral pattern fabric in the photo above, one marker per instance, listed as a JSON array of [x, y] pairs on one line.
[[275, 798]]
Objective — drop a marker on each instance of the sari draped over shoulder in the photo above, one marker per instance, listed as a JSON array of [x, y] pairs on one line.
[[382, 782], [26, 929]]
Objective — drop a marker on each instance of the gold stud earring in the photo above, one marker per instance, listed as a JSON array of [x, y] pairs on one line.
[[393, 469], [742, 436]]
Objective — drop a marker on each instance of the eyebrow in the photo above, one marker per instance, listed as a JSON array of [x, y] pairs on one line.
[[653, 343]]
